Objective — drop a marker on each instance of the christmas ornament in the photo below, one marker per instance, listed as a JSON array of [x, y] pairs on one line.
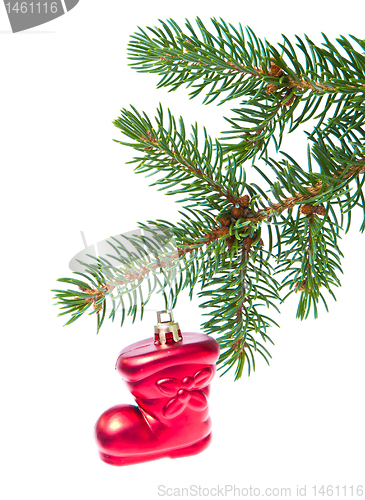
[[169, 376]]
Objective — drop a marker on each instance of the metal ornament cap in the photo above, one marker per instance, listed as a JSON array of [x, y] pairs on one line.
[[166, 330]]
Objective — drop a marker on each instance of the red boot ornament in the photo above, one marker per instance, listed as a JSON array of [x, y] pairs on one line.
[[169, 377]]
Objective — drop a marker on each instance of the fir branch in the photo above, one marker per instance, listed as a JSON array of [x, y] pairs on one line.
[[136, 266], [318, 193], [219, 243], [310, 262], [233, 54], [168, 150], [235, 295], [184, 58], [245, 65]]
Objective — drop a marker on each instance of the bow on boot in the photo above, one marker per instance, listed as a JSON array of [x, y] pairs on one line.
[[186, 392]]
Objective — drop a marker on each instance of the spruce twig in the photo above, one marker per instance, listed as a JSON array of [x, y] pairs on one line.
[[235, 237]]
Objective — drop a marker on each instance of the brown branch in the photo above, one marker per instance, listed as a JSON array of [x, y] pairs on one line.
[[162, 263], [288, 203], [236, 346], [274, 70], [244, 259], [95, 295], [304, 85], [309, 270], [194, 170], [170, 58], [139, 275]]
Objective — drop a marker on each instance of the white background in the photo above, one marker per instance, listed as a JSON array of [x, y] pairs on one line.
[[297, 422]]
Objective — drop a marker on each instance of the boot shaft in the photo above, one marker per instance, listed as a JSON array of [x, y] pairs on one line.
[[145, 358]]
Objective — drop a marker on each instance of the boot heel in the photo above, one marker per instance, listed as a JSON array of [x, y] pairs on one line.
[[192, 449], [129, 459]]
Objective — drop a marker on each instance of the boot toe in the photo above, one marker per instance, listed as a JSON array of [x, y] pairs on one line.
[[122, 430]]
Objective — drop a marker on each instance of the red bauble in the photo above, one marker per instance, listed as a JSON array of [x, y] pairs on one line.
[[169, 377]]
